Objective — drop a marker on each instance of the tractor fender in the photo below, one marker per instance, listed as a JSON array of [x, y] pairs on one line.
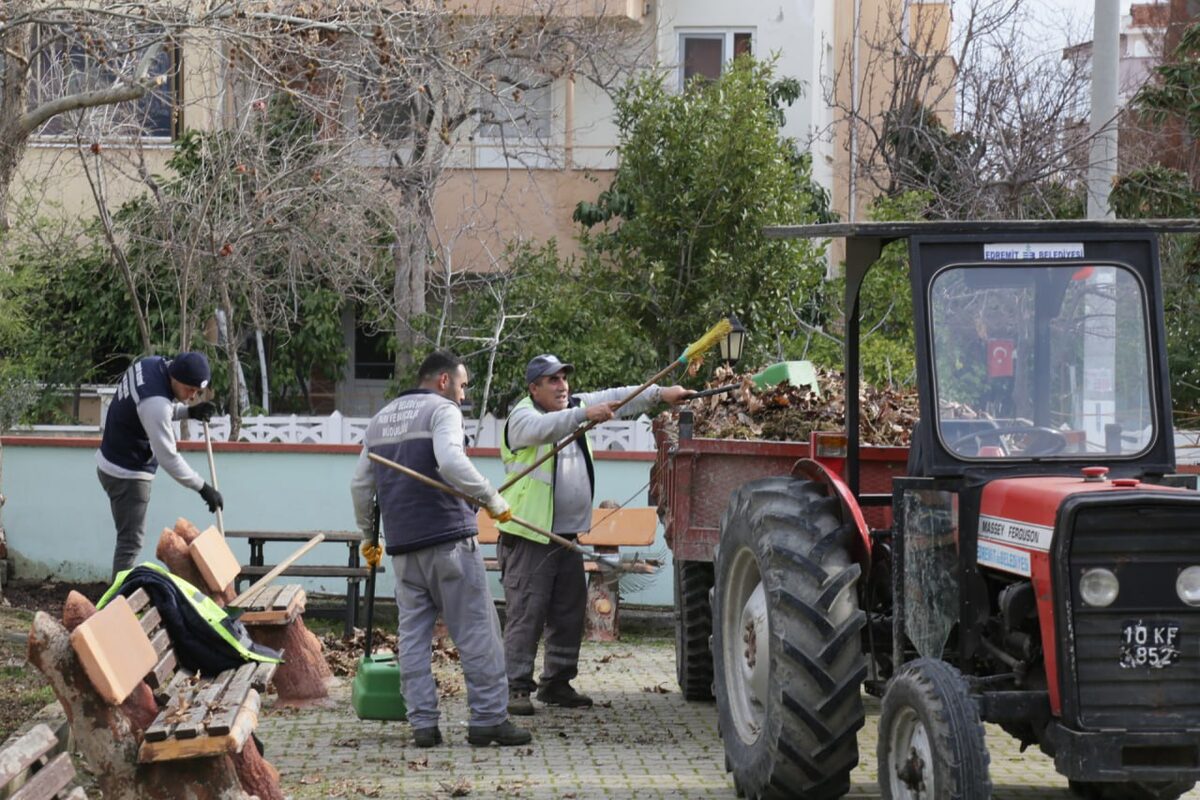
[[819, 473]]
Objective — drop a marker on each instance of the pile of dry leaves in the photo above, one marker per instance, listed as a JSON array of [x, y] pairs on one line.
[[789, 413], [343, 654]]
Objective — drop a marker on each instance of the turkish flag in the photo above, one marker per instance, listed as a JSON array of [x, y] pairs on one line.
[[1000, 358]]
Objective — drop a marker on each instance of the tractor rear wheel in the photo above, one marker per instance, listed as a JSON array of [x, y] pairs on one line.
[[1131, 791], [787, 646], [693, 629], [931, 741]]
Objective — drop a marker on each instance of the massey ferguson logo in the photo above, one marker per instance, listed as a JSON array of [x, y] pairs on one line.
[[1021, 534]]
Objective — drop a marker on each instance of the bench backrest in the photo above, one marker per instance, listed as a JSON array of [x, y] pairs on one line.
[[34, 766], [114, 650], [611, 527], [214, 560]]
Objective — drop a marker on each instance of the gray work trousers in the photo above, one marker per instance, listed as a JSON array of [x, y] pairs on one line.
[[544, 589], [449, 579], [128, 499]]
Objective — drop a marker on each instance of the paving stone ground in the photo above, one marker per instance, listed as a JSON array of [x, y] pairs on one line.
[[641, 741]]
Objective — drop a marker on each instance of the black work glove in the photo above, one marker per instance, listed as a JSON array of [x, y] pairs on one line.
[[202, 411], [212, 497]]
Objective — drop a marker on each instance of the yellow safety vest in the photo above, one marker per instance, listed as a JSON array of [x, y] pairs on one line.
[[532, 497]]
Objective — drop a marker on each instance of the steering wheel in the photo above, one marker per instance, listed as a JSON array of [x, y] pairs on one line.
[[1053, 441]]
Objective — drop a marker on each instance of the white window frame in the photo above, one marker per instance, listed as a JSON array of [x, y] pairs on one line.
[[724, 35]]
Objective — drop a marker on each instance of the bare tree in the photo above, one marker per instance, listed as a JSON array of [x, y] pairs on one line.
[[973, 112]]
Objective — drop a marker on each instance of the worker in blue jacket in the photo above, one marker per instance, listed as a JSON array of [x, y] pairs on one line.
[[138, 438]]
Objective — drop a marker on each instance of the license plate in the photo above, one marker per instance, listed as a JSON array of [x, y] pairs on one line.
[[1152, 645]]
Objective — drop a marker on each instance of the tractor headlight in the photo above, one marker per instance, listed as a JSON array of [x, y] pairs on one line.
[[1099, 586], [1187, 585]]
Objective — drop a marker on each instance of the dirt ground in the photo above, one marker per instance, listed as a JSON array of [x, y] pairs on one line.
[[22, 688]]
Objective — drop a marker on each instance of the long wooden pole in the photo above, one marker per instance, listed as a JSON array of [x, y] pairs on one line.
[[278, 569], [425, 479], [212, 470]]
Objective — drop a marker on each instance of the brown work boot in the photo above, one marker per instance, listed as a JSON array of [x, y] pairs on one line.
[[561, 694], [505, 734], [519, 704]]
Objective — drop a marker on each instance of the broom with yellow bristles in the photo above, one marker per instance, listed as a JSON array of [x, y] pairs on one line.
[[691, 354]]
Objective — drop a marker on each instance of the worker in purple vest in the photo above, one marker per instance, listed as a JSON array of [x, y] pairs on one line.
[[138, 438]]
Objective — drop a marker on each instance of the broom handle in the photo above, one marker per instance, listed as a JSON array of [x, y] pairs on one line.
[[425, 479], [278, 569], [585, 428], [212, 470]]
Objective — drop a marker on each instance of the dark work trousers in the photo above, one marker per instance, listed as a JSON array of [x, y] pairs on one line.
[[544, 589], [129, 500]]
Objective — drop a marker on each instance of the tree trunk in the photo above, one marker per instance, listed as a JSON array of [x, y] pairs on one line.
[[235, 370], [304, 674], [411, 257]]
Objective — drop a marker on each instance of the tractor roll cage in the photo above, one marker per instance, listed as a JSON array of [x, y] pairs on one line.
[[865, 242]]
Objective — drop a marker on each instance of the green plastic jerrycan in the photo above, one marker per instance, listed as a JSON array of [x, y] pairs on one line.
[[375, 692], [797, 373]]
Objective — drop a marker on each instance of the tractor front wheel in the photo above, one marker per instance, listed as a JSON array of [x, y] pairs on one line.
[[787, 641], [931, 741]]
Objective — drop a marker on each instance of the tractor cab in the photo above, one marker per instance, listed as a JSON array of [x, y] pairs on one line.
[[1042, 567]]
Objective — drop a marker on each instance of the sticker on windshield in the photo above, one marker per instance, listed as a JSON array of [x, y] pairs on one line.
[[1031, 251]]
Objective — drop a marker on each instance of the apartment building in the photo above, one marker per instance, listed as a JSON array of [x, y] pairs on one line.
[[523, 177]]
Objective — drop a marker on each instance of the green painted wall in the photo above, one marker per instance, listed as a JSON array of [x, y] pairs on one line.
[[59, 526]]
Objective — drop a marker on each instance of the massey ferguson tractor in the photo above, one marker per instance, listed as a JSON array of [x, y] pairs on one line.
[[1031, 561]]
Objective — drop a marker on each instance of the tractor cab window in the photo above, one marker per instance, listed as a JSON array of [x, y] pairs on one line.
[[1041, 361]]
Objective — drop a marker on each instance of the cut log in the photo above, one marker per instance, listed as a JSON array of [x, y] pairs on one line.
[[108, 737], [258, 777], [304, 673]]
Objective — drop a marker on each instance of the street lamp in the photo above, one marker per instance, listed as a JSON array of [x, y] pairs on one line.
[[731, 345]]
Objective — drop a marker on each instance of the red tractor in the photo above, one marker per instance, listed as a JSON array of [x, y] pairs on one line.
[[1031, 561]]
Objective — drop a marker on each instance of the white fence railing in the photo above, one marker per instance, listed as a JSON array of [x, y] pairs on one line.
[[632, 435]]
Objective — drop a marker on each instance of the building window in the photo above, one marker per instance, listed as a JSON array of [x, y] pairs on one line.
[[516, 108], [61, 66], [707, 53], [372, 354]]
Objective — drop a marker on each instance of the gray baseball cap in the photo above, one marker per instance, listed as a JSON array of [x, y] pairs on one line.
[[545, 364]]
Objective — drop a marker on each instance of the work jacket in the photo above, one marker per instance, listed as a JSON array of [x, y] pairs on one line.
[[532, 497]]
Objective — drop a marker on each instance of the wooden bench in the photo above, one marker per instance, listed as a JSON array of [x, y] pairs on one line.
[[354, 571], [36, 766], [199, 716], [612, 529]]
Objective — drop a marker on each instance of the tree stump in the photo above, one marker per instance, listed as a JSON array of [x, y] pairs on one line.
[[304, 674], [109, 736]]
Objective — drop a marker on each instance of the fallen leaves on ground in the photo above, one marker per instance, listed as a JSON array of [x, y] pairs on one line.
[[459, 788]]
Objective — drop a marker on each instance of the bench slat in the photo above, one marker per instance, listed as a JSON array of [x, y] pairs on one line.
[[176, 694], [200, 706], [48, 781], [264, 597], [161, 642], [296, 536], [232, 742], [262, 676], [21, 754], [138, 600], [225, 710], [162, 671], [151, 621], [628, 527], [287, 595], [309, 571]]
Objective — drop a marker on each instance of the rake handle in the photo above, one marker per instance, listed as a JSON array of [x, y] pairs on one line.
[[580, 431], [212, 470], [425, 479]]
